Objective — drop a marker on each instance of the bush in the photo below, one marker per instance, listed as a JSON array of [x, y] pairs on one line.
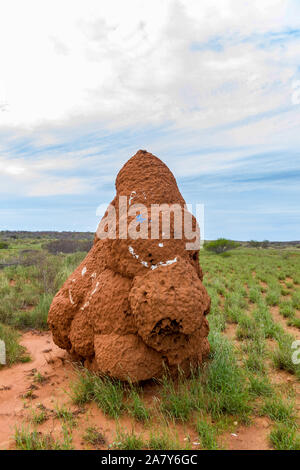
[[254, 244], [3, 245], [221, 245], [265, 244]]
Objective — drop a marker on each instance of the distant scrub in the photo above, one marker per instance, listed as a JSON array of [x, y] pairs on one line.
[[68, 246], [221, 245]]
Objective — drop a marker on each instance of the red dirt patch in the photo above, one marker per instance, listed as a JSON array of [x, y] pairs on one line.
[[253, 437]]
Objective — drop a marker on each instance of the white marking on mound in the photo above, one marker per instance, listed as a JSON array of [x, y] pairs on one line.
[[131, 196], [136, 256], [161, 263], [85, 305], [95, 290], [70, 297], [83, 271]]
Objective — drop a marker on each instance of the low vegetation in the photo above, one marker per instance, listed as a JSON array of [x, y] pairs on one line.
[[254, 322]]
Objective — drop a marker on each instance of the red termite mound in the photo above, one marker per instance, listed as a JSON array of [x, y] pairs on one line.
[[136, 305]]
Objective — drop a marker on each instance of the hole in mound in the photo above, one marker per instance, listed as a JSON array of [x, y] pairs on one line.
[[165, 327]]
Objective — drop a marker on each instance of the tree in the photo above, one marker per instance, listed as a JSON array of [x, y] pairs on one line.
[[254, 244], [221, 245]]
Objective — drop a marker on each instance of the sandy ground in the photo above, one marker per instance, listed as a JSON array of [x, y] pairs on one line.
[[54, 364]]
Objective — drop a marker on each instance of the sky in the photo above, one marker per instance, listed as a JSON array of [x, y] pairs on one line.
[[212, 88]]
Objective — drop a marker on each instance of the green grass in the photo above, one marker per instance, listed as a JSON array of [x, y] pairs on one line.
[[136, 406], [255, 294], [279, 410], [225, 383], [163, 440], [207, 435], [65, 415], [296, 299], [176, 400], [26, 439], [283, 437], [282, 356], [260, 386], [294, 322], [255, 363], [39, 378], [26, 291], [286, 309], [273, 297], [128, 441], [81, 390], [38, 416], [107, 393], [36, 318], [160, 439]]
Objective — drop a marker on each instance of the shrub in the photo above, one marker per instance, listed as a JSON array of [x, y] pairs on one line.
[[254, 244], [3, 245], [221, 245]]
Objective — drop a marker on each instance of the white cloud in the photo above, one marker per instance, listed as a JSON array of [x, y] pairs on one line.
[[130, 62], [14, 170], [200, 66], [58, 187]]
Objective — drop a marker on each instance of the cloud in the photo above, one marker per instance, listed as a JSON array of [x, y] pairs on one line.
[[127, 66], [208, 86], [55, 187]]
